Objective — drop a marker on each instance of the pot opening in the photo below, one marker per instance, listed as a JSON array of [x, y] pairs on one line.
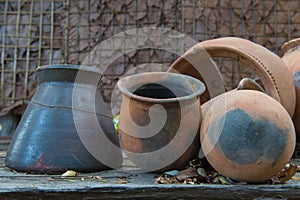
[[158, 91]]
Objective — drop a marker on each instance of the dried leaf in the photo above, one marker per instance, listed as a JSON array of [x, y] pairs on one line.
[[162, 180], [224, 180], [187, 173], [201, 172], [292, 169], [189, 181], [121, 182], [99, 178], [215, 180], [69, 173], [212, 178], [166, 179], [284, 175]]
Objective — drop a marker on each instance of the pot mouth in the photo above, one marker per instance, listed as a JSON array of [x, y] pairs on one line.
[[69, 67], [290, 44], [69, 73], [174, 87]]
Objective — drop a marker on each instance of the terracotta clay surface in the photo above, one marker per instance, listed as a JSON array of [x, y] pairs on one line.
[[196, 62], [244, 84], [276, 80], [159, 119], [291, 57], [247, 135], [249, 84]]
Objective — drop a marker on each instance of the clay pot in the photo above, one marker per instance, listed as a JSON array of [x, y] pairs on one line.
[[57, 131], [291, 57], [276, 80], [247, 135], [159, 119]]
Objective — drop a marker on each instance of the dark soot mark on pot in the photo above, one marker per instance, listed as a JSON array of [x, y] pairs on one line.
[[245, 141], [157, 91]]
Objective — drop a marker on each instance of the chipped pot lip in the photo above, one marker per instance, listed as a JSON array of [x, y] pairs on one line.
[[200, 88]]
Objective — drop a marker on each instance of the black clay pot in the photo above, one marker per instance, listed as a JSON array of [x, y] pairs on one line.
[[66, 125]]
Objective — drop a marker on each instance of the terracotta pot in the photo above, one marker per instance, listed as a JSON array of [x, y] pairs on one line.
[[57, 131], [159, 119], [276, 80], [247, 135], [291, 57]]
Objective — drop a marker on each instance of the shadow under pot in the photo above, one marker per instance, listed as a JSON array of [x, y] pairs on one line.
[[160, 119], [66, 125]]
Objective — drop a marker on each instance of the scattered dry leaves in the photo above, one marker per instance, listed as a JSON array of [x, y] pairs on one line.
[[200, 172], [284, 175]]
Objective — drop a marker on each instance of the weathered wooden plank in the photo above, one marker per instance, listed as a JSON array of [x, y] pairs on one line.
[[16, 185], [139, 185], [159, 192]]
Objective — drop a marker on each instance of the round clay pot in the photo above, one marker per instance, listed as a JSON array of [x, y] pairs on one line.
[[159, 119], [247, 135], [276, 80], [48, 139], [291, 57]]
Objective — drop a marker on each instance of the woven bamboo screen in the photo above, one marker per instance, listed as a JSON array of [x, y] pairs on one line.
[[41, 32]]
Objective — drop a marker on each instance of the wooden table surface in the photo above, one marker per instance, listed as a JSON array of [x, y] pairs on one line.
[[118, 184]]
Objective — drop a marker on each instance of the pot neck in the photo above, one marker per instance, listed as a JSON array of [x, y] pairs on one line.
[[68, 73]]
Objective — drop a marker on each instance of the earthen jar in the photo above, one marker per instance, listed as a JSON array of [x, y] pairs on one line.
[[160, 119], [247, 135], [291, 57], [59, 131]]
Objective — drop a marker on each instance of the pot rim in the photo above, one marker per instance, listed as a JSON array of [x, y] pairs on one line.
[[200, 88], [290, 44], [70, 67]]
